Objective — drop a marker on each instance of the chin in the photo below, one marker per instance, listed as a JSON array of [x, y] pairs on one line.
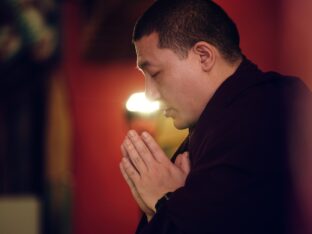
[[180, 124]]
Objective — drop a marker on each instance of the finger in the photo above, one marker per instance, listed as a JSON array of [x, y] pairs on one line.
[[130, 171], [123, 151], [134, 156], [182, 162], [177, 161], [185, 163], [154, 148], [140, 146], [125, 176], [133, 189], [129, 182], [125, 154]]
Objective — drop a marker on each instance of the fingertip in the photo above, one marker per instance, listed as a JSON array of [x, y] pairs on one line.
[[186, 157], [147, 139], [145, 135], [184, 154], [132, 133], [178, 159]]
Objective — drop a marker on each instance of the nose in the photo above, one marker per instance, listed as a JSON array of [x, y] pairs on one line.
[[151, 90]]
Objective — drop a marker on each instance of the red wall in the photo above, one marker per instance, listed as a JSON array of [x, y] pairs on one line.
[[102, 201], [257, 22], [295, 58], [296, 38]]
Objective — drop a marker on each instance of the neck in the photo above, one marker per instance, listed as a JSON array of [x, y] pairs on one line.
[[223, 70]]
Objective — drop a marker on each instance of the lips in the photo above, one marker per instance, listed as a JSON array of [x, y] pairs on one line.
[[168, 112]]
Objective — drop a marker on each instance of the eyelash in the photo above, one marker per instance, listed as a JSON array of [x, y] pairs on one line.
[[155, 74]]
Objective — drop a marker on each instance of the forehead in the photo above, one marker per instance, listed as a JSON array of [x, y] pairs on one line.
[[150, 54], [146, 50]]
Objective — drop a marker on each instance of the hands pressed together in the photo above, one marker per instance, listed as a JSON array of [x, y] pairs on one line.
[[149, 172]]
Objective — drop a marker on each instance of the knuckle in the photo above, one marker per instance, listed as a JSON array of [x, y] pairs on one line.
[[141, 148], [137, 159], [130, 147], [132, 173]]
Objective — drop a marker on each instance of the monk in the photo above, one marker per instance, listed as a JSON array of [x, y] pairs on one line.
[[231, 174]]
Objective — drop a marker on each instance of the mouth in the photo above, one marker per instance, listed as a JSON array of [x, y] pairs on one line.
[[168, 112]]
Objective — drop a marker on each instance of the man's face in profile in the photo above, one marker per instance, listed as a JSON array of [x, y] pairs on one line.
[[176, 82]]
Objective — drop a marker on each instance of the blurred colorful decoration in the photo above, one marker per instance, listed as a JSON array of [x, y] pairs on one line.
[[34, 125], [107, 28], [58, 163], [27, 24]]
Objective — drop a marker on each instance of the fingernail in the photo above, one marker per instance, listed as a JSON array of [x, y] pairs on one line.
[[145, 134], [131, 133]]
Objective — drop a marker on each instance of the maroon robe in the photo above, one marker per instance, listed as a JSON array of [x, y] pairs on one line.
[[239, 180]]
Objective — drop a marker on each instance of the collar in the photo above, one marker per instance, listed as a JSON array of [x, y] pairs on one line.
[[246, 75]]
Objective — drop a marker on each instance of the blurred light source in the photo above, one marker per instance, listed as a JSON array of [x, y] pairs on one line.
[[138, 102]]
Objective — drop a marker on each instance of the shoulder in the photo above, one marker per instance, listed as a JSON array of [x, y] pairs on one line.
[[269, 89]]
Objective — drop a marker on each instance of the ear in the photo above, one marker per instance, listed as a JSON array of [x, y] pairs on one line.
[[206, 53]]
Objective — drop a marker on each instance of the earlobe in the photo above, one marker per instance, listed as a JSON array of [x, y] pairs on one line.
[[206, 53]]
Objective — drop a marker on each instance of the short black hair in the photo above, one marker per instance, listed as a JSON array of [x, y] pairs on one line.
[[180, 24]]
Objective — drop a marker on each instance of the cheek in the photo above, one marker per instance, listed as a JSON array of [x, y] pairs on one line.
[[178, 88], [186, 93], [191, 103]]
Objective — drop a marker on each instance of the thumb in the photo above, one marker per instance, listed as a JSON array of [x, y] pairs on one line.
[[185, 163]]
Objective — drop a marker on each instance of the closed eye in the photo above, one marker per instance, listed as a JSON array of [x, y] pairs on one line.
[[155, 74]]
